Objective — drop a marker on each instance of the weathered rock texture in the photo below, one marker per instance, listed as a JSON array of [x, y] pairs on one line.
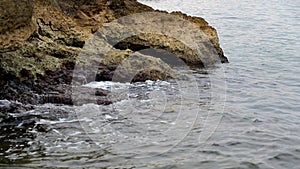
[[15, 14], [40, 41]]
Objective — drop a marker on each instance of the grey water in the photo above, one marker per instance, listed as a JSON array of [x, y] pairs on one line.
[[245, 114]]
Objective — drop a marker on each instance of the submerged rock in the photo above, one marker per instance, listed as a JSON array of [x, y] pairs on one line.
[[42, 42]]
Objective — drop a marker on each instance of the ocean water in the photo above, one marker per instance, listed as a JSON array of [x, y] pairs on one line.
[[260, 124], [245, 114]]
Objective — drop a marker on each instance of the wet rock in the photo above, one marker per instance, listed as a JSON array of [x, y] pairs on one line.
[[13, 107], [77, 96], [4, 103]]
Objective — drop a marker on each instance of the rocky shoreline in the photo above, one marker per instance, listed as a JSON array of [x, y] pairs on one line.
[[41, 41]]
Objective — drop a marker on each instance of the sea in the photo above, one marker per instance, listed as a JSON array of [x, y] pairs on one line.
[[242, 114]]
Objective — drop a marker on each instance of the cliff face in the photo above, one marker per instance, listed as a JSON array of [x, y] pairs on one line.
[[40, 41]]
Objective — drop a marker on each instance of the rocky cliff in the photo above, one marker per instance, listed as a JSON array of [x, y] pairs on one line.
[[41, 41]]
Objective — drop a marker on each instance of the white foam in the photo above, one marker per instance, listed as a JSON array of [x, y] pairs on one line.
[[108, 85]]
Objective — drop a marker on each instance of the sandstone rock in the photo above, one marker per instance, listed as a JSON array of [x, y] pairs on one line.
[[15, 14], [132, 67], [42, 41], [190, 38]]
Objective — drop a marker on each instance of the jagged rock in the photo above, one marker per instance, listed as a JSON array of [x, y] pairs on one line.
[[42, 41]]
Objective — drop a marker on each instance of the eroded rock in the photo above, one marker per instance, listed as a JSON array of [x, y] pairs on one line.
[[133, 67], [41, 42], [15, 14]]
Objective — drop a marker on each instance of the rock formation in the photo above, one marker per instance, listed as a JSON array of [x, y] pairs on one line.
[[40, 41]]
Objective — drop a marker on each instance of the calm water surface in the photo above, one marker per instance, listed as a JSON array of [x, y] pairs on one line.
[[245, 114]]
